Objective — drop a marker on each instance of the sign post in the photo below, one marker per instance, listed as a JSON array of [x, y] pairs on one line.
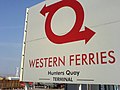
[[73, 42]]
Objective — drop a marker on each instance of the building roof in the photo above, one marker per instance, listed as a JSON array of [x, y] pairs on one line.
[[1, 78]]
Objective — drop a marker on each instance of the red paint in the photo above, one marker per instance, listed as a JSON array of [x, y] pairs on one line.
[[84, 59], [110, 54], [37, 63], [47, 62], [91, 58], [96, 58], [103, 56], [77, 57], [50, 62], [55, 61], [74, 34], [71, 59], [32, 63]]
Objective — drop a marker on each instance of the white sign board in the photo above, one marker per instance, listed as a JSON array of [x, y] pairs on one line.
[[75, 41]]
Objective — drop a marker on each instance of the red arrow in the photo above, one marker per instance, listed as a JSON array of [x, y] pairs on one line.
[[74, 34], [43, 11], [88, 34]]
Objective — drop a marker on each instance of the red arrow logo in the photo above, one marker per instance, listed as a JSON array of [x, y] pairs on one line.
[[74, 34]]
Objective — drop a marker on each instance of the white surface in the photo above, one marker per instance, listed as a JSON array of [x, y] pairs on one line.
[[103, 17]]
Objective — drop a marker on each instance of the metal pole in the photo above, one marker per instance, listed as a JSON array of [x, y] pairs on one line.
[[80, 87], [99, 87], [72, 87], [89, 87], [84, 87], [105, 87]]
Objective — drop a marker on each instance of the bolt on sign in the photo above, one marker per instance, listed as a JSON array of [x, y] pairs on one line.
[[72, 41]]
